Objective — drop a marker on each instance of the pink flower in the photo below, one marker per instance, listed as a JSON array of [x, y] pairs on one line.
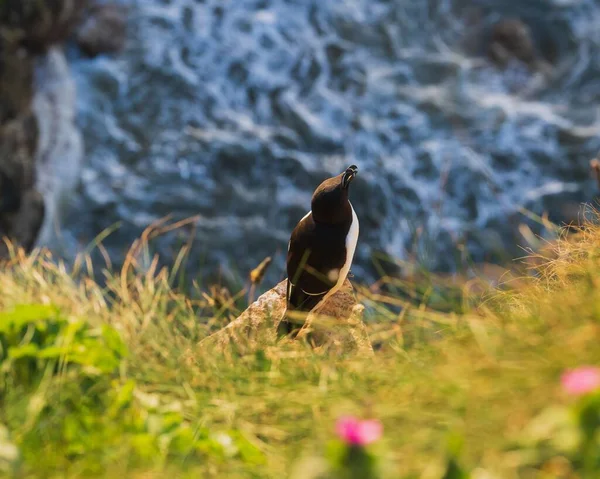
[[582, 380], [355, 432]]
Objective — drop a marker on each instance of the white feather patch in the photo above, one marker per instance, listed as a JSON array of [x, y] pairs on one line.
[[351, 240]]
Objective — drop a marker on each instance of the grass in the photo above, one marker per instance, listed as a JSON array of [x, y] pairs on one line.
[[111, 381]]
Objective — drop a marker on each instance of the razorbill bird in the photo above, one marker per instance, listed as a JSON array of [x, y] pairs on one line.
[[321, 247]]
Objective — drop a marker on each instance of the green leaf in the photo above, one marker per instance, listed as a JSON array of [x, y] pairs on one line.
[[25, 314], [262, 362], [588, 412], [454, 470], [52, 352], [145, 445], [247, 451], [124, 396], [171, 421], [113, 341], [25, 351], [335, 451], [183, 441]]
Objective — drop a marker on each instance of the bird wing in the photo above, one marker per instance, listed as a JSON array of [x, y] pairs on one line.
[[306, 286]]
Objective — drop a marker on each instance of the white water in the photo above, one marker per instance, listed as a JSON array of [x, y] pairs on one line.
[[236, 110]]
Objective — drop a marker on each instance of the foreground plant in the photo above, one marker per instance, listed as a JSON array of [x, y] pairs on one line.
[[350, 456], [355, 432], [565, 438], [68, 401], [117, 380], [584, 383]]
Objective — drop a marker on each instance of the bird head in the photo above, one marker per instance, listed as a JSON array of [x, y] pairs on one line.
[[330, 199]]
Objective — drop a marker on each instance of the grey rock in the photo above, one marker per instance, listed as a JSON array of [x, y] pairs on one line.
[[511, 38], [104, 30], [338, 326]]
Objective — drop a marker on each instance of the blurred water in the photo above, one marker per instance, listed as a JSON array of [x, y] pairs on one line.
[[236, 109]]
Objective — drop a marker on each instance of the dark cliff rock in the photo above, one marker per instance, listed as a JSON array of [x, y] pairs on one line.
[[38, 25], [21, 207], [41, 149]]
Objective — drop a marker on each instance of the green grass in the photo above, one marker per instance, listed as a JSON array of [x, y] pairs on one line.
[[113, 382]]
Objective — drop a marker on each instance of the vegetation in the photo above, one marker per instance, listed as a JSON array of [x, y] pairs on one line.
[[114, 380]]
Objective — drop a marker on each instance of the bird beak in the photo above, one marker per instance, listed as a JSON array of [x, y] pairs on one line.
[[349, 175]]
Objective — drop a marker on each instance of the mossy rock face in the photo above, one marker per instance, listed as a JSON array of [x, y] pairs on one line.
[[21, 206], [28, 30], [39, 24], [16, 80]]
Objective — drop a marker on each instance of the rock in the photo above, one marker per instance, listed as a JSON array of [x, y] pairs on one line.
[[338, 326], [21, 208], [16, 81], [40, 24], [25, 224], [17, 148], [40, 148], [511, 39], [21, 205], [103, 30]]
